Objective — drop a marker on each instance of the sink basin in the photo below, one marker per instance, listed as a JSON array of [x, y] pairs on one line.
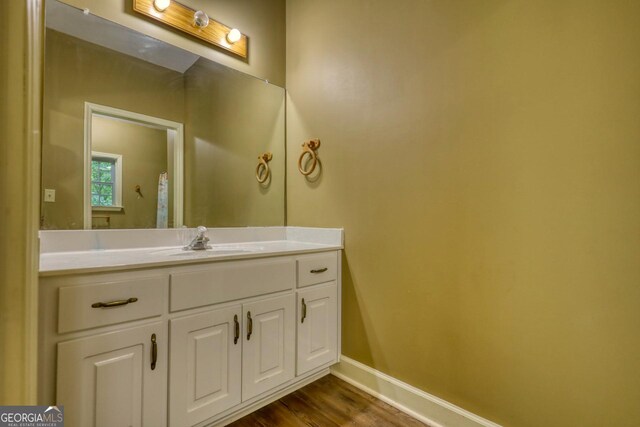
[[214, 250]]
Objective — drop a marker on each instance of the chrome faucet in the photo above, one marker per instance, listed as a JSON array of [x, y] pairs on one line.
[[200, 242]]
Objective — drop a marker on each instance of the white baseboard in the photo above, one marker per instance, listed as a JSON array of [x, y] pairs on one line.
[[423, 406]]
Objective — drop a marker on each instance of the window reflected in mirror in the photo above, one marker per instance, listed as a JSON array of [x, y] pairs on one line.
[[104, 186]]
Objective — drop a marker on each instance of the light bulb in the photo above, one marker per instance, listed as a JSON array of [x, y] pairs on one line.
[[161, 5], [200, 19], [234, 35]]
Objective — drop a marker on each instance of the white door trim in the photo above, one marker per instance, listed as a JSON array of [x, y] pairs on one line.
[[178, 154]]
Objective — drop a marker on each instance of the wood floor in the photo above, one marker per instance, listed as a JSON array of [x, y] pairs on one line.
[[327, 402]]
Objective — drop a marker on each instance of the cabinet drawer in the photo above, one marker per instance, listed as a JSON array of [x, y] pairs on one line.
[[317, 268], [77, 311], [231, 281]]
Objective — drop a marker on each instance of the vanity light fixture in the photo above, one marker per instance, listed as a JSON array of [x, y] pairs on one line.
[[161, 5], [196, 23], [234, 35]]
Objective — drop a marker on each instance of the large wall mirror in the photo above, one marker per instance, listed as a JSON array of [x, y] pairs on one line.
[[138, 133]]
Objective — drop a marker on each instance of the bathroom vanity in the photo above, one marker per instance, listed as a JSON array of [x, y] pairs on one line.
[[160, 336], [133, 330]]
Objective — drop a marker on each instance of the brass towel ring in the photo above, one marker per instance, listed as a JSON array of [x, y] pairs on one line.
[[309, 148], [262, 170]]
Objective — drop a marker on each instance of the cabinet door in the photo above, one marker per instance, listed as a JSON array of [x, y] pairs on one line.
[[109, 380], [205, 365], [269, 350], [317, 327]]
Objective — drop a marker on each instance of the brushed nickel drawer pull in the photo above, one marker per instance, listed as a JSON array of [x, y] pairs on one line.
[[320, 270], [117, 303], [154, 352], [304, 311], [236, 334], [249, 326]]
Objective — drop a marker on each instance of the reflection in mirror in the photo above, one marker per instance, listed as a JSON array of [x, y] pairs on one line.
[[129, 155], [105, 165]]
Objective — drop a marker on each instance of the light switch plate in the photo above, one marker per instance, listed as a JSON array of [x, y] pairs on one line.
[[49, 195]]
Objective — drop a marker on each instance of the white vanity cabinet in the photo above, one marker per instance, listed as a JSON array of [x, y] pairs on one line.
[[317, 314], [317, 327], [268, 358], [226, 337], [206, 351], [115, 379], [225, 356], [222, 357]]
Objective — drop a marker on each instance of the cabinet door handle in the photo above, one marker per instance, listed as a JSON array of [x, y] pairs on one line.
[[249, 326], [236, 334], [319, 270], [154, 352], [304, 311], [114, 303]]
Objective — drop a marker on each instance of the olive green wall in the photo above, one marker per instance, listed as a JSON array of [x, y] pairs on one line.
[[232, 118], [144, 157], [262, 21], [77, 72], [20, 68], [484, 160]]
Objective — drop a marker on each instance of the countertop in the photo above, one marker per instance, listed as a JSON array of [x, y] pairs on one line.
[[103, 260]]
